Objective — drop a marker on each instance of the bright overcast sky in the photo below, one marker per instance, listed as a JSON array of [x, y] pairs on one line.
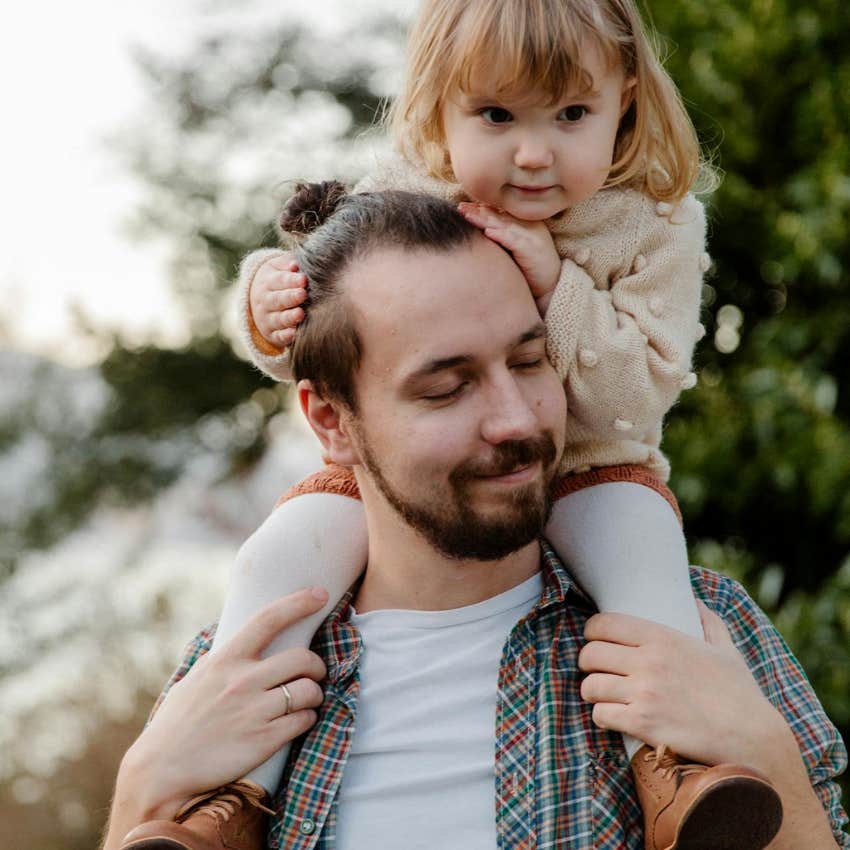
[[66, 82]]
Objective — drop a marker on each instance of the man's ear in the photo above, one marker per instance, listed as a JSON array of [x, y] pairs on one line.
[[329, 424]]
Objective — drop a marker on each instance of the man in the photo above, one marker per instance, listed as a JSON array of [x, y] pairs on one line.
[[444, 404]]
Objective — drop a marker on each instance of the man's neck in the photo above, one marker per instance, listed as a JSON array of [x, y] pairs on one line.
[[405, 571]]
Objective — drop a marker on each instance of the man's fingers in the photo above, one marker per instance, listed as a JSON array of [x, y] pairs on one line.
[[713, 626], [603, 687], [602, 657], [620, 628], [303, 692], [612, 715], [288, 665], [259, 631], [284, 729]]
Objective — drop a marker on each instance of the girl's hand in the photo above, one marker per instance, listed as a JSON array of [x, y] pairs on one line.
[[529, 242], [277, 291], [227, 716]]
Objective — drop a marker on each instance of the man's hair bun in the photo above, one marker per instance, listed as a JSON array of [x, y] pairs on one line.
[[310, 206]]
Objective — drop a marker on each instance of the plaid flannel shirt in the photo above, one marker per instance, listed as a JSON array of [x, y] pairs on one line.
[[560, 782]]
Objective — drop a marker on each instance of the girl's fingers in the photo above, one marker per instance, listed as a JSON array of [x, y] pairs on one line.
[[282, 339], [304, 693], [285, 299], [285, 262], [285, 319], [485, 218]]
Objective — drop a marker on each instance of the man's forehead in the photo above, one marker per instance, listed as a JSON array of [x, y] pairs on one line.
[[414, 306]]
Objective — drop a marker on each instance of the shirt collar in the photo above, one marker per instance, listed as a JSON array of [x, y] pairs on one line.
[[338, 641]]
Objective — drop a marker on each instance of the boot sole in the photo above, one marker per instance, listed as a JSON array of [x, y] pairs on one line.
[[738, 813]]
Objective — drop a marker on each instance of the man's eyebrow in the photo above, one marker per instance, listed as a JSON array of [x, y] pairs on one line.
[[433, 367], [443, 364], [536, 332]]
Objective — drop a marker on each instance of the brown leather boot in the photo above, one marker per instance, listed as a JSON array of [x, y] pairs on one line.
[[696, 807], [232, 817]]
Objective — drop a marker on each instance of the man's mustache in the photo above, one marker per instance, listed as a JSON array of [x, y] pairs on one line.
[[508, 456]]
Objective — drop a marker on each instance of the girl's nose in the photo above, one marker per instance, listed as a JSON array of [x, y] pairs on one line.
[[533, 152]]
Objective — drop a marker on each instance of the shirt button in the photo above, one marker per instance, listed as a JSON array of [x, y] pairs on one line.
[[308, 826]]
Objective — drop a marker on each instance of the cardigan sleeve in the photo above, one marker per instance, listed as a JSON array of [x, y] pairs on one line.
[[622, 340]]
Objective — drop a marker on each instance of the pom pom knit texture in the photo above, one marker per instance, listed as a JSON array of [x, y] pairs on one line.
[[622, 323]]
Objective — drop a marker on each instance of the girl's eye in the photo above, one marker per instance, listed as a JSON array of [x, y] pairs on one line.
[[573, 113], [495, 115]]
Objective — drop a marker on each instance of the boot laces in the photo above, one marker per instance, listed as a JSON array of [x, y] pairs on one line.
[[224, 802], [670, 764]]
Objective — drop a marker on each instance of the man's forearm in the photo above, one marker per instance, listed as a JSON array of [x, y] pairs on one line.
[[804, 821], [132, 805]]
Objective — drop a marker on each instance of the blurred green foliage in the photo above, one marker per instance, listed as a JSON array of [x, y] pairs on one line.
[[761, 451]]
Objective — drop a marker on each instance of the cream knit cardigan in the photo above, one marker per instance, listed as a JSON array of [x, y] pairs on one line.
[[621, 326]]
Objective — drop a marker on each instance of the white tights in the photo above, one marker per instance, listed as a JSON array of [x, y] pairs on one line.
[[621, 542]]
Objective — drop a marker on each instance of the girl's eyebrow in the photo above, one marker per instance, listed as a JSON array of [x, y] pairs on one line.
[[475, 99]]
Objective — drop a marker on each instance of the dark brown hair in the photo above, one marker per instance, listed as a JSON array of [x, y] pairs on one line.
[[331, 229]]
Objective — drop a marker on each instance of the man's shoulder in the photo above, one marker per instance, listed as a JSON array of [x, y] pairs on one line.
[[718, 591]]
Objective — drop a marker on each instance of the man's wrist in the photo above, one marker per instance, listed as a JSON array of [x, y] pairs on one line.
[[140, 788], [804, 822]]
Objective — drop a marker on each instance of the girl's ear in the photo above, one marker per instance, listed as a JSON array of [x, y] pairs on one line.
[[329, 424], [628, 95]]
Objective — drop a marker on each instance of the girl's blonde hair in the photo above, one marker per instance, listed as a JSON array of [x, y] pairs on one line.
[[537, 45]]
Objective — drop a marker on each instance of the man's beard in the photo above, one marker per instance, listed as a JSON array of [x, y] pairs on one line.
[[450, 523]]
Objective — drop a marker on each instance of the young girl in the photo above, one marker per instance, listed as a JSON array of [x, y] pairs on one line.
[[555, 128]]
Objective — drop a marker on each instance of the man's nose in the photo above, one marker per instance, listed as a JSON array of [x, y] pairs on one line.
[[532, 151], [508, 415]]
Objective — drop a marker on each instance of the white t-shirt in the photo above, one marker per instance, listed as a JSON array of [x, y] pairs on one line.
[[421, 769]]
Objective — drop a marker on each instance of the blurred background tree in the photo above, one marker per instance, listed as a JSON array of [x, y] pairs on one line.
[[760, 450]]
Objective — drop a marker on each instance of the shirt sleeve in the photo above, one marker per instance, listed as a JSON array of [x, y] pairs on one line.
[[199, 646], [785, 684], [623, 345]]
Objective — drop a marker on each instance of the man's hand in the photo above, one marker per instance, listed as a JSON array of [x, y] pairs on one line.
[[529, 242], [665, 687], [226, 716], [277, 291], [699, 698]]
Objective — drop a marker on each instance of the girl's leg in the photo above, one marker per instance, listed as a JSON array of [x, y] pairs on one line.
[[314, 539], [623, 544]]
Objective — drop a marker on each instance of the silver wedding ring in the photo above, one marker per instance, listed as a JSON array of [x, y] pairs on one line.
[[288, 697]]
